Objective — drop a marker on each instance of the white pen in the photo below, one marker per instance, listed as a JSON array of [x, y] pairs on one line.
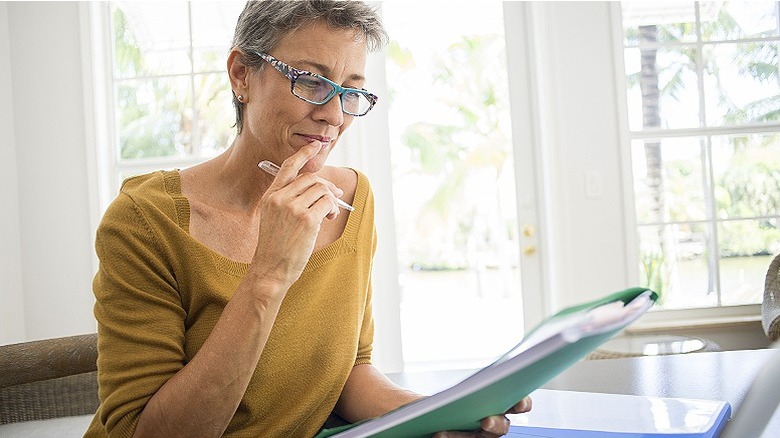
[[273, 169]]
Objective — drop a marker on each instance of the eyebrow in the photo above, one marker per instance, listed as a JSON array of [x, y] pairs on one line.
[[326, 70]]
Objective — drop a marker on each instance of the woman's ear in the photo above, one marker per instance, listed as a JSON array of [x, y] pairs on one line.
[[238, 72]]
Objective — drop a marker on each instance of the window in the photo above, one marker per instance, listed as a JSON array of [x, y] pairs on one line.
[[703, 96], [170, 94], [456, 220]]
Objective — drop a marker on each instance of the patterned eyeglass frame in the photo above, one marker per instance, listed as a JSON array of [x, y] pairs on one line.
[[293, 73]]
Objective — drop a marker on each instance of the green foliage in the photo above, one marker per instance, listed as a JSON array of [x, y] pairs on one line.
[[128, 59], [655, 276], [157, 115], [745, 238], [761, 62], [432, 145], [144, 132], [746, 189], [684, 202], [750, 185], [452, 154], [152, 113]]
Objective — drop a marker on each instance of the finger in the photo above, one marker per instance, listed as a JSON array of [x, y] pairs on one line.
[[325, 207], [524, 405], [308, 189], [303, 182], [451, 434], [320, 199], [497, 425], [479, 433], [290, 167]]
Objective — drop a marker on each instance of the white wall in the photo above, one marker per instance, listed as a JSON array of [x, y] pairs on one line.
[[580, 148], [47, 265], [12, 309]]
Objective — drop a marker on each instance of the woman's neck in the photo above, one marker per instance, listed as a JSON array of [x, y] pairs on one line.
[[231, 179]]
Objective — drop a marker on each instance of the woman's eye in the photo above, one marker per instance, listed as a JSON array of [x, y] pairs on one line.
[[308, 82], [351, 97]]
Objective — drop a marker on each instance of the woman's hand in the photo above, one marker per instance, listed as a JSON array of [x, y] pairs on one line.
[[495, 426], [291, 212]]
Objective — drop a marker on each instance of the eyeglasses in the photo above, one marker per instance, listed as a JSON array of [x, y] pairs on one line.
[[318, 90]]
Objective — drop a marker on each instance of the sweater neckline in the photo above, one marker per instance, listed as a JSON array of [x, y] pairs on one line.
[[347, 242]]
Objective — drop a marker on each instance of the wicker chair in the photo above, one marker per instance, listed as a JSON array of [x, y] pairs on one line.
[[48, 379], [770, 306]]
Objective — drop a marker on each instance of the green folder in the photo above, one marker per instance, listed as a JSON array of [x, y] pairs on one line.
[[551, 347]]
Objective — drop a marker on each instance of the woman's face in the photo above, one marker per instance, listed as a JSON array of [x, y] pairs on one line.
[[281, 123]]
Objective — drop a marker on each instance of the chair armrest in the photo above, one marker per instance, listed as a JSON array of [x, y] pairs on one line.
[[47, 359]]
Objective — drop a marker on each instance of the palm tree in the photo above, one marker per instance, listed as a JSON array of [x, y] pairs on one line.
[[758, 59]]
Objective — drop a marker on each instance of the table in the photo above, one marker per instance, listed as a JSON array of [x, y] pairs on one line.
[[713, 376], [651, 345], [724, 375]]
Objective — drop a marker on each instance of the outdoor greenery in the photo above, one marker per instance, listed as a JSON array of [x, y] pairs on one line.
[[469, 146], [166, 113], [746, 169]]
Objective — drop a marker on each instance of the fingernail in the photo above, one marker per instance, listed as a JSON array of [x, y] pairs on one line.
[[338, 192]]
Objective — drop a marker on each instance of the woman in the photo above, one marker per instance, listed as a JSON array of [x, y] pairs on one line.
[[232, 302]]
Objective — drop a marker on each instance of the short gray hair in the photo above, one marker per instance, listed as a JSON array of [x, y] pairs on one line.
[[263, 23]]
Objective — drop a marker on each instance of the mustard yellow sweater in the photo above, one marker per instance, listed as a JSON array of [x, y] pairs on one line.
[[160, 292]]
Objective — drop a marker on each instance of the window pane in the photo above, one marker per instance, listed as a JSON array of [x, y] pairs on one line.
[[668, 180], [155, 83], [210, 59], [212, 27], [746, 248], [453, 183], [689, 191], [743, 19], [154, 117], [742, 83], [674, 20], [215, 116], [151, 38], [663, 90], [747, 175], [673, 262]]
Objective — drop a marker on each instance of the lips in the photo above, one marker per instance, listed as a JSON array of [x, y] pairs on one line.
[[310, 138]]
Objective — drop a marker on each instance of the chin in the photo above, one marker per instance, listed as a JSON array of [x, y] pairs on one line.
[[320, 160]]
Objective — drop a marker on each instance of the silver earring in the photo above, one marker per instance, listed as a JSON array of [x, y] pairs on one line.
[[240, 98]]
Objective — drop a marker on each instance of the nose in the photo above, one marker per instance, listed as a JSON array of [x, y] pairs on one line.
[[330, 112]]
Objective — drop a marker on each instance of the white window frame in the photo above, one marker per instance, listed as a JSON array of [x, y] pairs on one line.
[[110, 167], [669, 318]]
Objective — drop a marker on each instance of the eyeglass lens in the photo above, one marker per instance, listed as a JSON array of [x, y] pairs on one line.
[[316, 90]]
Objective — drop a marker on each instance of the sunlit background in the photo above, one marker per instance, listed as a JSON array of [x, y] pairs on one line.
[[702, 94]]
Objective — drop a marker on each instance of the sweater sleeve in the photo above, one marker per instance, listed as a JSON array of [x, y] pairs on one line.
[[139, 313], [366, 340], [366, 343]]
